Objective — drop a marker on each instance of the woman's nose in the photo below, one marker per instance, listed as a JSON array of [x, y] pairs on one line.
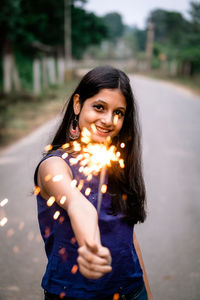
[[107, 119]]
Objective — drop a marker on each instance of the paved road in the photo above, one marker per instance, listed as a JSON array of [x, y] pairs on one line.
[[169, 238]]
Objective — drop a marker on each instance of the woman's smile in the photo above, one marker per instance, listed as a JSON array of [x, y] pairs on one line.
[[105, 110]]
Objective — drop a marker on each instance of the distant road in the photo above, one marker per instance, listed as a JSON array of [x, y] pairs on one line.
[[169, 238]]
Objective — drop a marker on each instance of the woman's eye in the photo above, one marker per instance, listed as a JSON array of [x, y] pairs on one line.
[[119, 113], [98, 107]]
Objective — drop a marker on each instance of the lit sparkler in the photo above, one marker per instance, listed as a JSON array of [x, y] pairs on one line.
[[94, 158]]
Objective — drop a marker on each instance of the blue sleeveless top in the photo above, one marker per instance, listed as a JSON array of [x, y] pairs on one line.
[[62, 274]]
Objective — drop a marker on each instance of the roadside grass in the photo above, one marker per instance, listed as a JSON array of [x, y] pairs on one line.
[[21, 113]]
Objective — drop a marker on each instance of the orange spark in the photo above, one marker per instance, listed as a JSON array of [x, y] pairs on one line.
[[36, 190], [51, 201], [87, 191], [63, 199], [76, 146], [80, 185], [3, 202], [48, 147], [116, 117], [62, 295], [3, 221], [104, 188], [74, 269], [47, 177], [121, 163], [65, 155], [56, 215], [94, 129], [124, 197], [116, 296], [57, 178], [64, 146], [89, 177], [73, 183], [122, 145]]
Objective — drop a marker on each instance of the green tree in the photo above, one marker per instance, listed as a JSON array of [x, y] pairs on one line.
[[115, 26]]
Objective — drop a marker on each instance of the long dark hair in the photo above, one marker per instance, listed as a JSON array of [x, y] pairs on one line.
[[125, 185]]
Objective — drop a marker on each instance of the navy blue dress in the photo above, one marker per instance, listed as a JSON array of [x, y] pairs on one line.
[[62, 274]]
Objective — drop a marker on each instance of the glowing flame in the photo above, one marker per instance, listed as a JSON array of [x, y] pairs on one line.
[[74, 269], [104, 188], [73, 183], [87, 191], [116, 296], [65, 146], [122, 145], [57, 178], [63, 199], [47, 177], [56, 215], [48, 147], [116, 117], [51, 201], [65, 155], [3, 202], [36, 190]]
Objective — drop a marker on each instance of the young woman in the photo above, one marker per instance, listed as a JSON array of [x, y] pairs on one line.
[[93, 256]]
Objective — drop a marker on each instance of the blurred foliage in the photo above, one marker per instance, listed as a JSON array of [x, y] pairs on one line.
[[115, 25], [178, 38], [24, 22]]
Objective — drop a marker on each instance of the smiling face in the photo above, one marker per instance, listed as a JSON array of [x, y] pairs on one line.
[[106, 110]]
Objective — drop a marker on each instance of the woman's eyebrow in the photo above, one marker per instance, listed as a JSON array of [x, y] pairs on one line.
[[105, 103]]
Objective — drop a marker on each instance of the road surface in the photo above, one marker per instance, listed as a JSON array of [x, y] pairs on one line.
[[169, 238]]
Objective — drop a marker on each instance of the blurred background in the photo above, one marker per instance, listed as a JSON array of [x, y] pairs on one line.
[[46, 46]]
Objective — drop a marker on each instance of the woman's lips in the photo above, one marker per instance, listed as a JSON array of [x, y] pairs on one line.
[[103, 131]]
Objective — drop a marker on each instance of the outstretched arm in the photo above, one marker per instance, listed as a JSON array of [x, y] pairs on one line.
[[139, 254], [95, 259]]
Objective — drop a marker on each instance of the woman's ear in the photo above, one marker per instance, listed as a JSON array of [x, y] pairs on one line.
[[76, 104]]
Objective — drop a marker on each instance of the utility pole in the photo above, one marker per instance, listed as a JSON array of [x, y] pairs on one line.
[[149, 44], [68, 45]]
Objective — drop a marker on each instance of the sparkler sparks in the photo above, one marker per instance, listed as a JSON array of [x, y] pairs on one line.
[[57, 178], [48, 147], [36, 190], [3, 202], [74, 269], [3, 221], [51, 201], [56, 215]]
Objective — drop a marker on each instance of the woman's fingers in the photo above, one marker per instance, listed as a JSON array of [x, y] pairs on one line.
[[93, 267], [104, 252], [88, 273], [91, 257]]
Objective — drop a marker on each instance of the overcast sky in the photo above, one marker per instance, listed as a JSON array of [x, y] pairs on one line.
[[135, 12]]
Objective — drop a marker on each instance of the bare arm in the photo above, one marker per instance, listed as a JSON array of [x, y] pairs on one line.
[[82, 214], [139, 254]]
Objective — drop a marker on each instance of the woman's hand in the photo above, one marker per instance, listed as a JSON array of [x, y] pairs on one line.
[[94, 260]]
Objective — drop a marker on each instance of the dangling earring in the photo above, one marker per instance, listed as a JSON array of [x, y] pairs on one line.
[[74, 131]]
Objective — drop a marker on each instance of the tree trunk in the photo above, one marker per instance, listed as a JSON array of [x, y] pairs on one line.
[[44, 72], [51, 69], [36, 77], [10, 72], [61, 67]]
